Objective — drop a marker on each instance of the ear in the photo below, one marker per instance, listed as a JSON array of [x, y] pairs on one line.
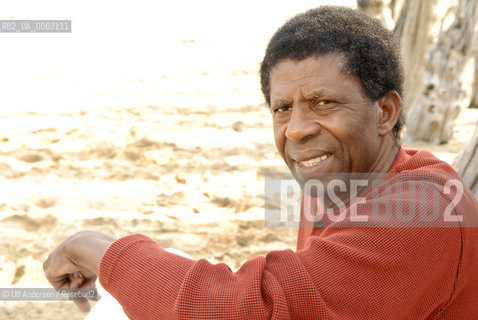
[[390, 105]]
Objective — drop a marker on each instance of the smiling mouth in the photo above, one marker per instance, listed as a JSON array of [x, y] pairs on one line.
[[315, 161]]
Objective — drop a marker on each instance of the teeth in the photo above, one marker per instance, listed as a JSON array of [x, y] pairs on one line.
[[313, 162]]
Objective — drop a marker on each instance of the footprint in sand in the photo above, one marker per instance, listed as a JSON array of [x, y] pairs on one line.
[[46, 203], [31, 224], [31, 158], [19, 272]]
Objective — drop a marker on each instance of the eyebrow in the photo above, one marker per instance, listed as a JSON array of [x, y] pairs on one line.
[[319, 94], [280, 103]]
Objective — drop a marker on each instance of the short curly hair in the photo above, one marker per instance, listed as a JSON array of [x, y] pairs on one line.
[[371, 51]]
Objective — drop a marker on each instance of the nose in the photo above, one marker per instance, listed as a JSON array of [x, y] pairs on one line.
[[301, 125]]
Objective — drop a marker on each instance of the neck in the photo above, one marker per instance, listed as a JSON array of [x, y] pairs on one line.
[[388, 152]]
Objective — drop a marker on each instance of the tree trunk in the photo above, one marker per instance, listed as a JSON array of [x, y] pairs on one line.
[[466, 164], [474, 94], [430, 117], [396, 8], [380, 9], [413, 28]]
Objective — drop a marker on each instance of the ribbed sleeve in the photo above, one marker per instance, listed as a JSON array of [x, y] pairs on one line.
[[143, 277]]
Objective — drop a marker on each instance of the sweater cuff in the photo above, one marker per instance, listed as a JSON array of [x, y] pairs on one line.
[[113, 253]]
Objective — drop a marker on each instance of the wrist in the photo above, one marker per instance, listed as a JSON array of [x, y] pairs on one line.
[[86, 249]]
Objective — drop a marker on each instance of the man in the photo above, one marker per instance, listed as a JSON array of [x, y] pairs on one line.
[[332, 78]]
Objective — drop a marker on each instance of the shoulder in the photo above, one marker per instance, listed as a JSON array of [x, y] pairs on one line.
[[419, 161], [420, 177]]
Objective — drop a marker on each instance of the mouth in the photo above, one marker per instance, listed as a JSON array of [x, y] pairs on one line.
[[314, 162]]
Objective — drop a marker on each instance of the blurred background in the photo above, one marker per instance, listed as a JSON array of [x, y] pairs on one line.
[[148, 118]]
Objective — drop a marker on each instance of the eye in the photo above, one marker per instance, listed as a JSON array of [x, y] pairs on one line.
[[324, 102], [323, 105], [282, 109]]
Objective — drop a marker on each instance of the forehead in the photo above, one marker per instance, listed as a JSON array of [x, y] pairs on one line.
[[323, 73]]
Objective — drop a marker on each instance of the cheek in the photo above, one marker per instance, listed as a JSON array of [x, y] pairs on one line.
[[344, 137], [279, 138], [356, 142]]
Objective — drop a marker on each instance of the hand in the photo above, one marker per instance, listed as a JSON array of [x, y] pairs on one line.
[[75, 263]]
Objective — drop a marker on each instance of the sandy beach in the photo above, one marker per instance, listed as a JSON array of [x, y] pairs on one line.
[[189, 179], [173, 148]]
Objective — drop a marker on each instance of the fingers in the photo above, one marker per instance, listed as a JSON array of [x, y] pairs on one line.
[[57, 269], [78, 281], [75, 262], [83, 305]]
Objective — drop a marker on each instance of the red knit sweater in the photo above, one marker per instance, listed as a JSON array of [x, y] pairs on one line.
[[339, 271]]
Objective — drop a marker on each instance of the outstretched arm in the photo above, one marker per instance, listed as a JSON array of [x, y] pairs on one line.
[[75, 263], [344, 272]]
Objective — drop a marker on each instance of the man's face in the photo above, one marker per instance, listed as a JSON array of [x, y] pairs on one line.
[[323, 121]]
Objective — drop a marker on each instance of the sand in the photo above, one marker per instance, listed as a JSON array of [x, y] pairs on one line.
[[190, 179]]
